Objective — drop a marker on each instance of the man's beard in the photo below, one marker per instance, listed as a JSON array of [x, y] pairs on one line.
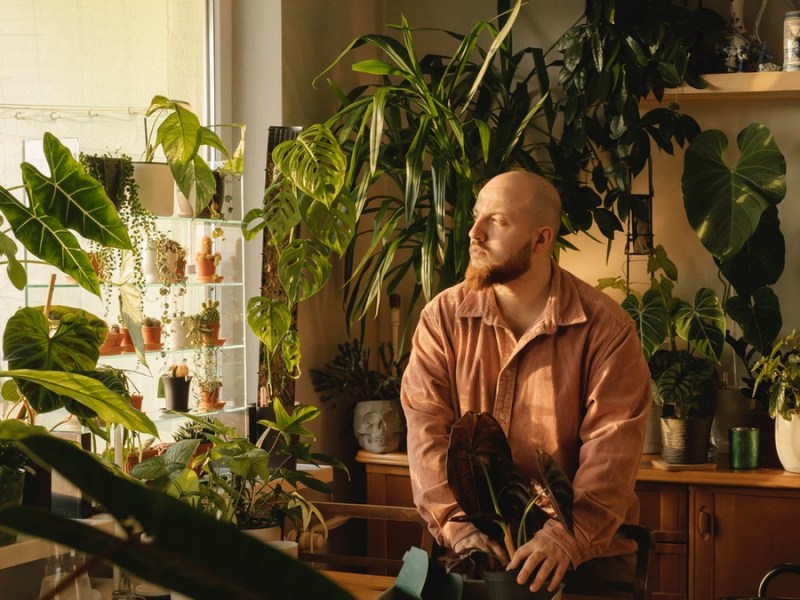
[[478, 278]]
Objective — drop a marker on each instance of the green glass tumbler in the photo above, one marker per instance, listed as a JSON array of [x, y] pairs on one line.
[[744, 447]]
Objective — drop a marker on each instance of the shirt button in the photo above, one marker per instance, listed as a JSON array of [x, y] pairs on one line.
[[502, 416]]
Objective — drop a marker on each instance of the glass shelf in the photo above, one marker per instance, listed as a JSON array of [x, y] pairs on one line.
[[149, 285], [202, 220], [170, 351]]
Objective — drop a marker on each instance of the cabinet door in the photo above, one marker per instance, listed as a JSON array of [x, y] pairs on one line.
[[664, 509], [737, 535]]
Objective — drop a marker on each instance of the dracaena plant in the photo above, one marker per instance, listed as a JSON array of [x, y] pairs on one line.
[[494, 494], [433, 128]]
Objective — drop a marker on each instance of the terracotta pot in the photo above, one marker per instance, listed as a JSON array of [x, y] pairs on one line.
[[151, 336], [136, 401], [126, 344], [209, 400], [205, 270], [112, 343], [210, 339]]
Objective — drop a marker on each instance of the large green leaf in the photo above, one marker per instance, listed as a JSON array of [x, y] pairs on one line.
[[303, 269], [109, 406], [702, 325], [46, 238], [74, 198], [651, 318], [178, 133], [14, 269], [760, 321], [72, 347], [334, 226], [195, 178], [179, 537], [761, 260], [724, 205], [270, 320], [314, 162]]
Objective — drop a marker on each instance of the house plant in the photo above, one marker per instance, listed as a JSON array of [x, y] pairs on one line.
[[371, 397], [174, 553], [496, 497], [231, 478], [177, 382], [685, 377], [151, 333], [780, 372], [181, 137], [207, 261]]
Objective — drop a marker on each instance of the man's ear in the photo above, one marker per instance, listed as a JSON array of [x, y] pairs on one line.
[[543, 239]]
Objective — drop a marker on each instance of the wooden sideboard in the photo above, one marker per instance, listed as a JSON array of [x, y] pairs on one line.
[[717, 531]]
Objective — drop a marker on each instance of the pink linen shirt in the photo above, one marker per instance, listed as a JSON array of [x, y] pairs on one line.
[[576, 384]]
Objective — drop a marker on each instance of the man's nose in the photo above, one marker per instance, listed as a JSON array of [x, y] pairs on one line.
[[476, 232]]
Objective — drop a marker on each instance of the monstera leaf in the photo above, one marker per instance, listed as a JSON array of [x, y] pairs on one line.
[[270, 319], [303, 269], [723, 204]]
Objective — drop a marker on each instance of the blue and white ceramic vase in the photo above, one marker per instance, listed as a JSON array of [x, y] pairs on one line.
[[791, 41], [741, 50]]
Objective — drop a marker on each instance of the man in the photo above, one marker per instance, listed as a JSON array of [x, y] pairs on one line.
[[556, 362]]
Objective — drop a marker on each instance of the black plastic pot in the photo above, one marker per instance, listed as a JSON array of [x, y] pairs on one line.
[[502, 585], [176, 392], [685, 441], [12, 483]]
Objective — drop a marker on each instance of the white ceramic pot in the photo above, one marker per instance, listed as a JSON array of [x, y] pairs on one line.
[[178, 333], [265, 534], [150, 262], [787, 442], [156, 187]]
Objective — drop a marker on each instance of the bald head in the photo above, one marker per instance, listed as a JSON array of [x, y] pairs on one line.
[[537, 197]]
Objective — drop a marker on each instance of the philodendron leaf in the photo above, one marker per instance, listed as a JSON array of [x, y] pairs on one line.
[[761, 260], [270, 320], [723, 204], [175, 555], [702, 325], [760, 321], [314, 162], [109, 406], [195, 179], [46, 238], [651, 318], [303, 268], [558, 486], [74, 198]]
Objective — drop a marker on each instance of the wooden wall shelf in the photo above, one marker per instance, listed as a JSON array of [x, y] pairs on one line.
[[776, 85]]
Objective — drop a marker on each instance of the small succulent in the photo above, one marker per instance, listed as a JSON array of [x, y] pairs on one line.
[[206, 252], [209, 314], [151, 322], [178, 370]]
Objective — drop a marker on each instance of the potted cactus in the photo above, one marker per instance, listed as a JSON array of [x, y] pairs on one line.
[[177, 382], [151, 333], [206, 261], [206, 324]]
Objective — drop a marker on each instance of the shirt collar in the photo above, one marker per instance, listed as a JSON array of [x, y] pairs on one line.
[[563, 306]]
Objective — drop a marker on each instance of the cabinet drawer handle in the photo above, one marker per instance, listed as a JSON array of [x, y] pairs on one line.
[[704, 523]]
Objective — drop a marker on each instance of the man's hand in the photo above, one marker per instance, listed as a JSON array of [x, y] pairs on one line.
[[544, 553], [480, 541]]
